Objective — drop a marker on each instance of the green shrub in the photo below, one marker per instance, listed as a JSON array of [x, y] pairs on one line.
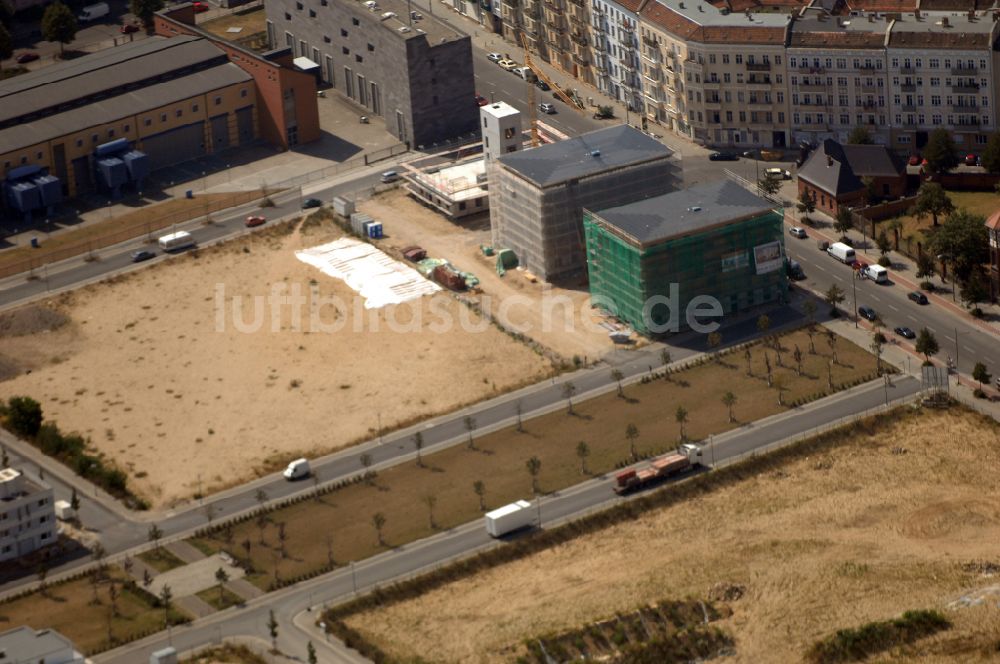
[[24, 416], [855, 644]]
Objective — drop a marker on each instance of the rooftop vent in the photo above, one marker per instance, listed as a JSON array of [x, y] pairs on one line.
[[595, 153], [944, 21], [404, 29], [388, 15], [700, 8], [694, 208]]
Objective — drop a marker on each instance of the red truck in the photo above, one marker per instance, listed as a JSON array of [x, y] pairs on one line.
[[685, 457]]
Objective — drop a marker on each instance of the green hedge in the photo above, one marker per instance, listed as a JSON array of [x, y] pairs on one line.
[[857, 643]]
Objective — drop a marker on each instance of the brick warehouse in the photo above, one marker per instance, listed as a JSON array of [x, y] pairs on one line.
[[413, 71]]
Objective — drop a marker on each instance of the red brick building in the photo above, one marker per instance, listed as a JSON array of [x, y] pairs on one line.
[[834, 175], [287, 112]]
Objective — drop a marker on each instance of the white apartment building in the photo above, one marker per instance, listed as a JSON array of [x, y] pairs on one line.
[[942, 68], [615, 50], [837, 76], [24, 645], [27, 515]]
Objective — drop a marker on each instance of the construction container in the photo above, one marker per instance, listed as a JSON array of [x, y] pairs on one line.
[[509, 518], [358, 220], [449, 278], [343, 206], [414, 253], [374, 230]]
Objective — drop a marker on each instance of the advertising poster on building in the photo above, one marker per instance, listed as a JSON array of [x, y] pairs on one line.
[[735, 261], [767, 257]]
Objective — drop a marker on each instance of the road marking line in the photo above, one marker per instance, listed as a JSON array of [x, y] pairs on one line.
[[893, 308]]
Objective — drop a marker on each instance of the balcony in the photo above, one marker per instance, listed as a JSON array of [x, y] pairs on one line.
[[579, 38], [908, 87], [805, 69], [909, 108], [965, 71], [907, 70], [581, 59], [813, 86], [651, 56], [646, 39], [967, 88], [758, 66], [756, 84], [711, 84], [867, 68], [965, 108], [869, 105], [713, 103]]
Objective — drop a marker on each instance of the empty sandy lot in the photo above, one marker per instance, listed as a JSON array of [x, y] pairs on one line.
[[158, 370], [842, 537]]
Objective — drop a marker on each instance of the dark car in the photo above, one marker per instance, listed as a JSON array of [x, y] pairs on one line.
[[254, 220], [917, 297], [723, 156], [199, 7], [481, 100], [542, 85], [914, 160], [311, 203], [905, 332], [26, 57], [129, 28], [867, 313], [142, 255], [971, 160]]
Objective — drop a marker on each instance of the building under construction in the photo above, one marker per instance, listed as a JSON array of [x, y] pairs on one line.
[[455, 189], [537, 196], [717, 240]]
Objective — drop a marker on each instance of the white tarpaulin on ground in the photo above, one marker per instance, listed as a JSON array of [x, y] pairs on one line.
[[378, 278]]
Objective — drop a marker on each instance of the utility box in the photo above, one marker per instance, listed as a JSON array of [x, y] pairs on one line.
[[343, 206], [165, 656], [64, 510]]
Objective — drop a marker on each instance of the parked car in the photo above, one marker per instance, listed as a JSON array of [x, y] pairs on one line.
[[254, 220], [971, 160], [142, 255], [867, 313], [312, 203], [546, 107], [723, 156], [917, 297], [508, 65], [914, 160], [797, 231], [26, 57], [778, 173], [494, 57], [859, 266], [199, 7], [749, 154], [128, 28], [905, 332], [481, 100], [542, 85]]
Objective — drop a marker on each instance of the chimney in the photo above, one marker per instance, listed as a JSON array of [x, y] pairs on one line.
[[916, 14], [944, 21], [829, 160], [972, 15], [871, 18]]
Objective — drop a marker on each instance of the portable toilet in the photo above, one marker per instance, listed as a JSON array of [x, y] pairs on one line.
[[375, 230]]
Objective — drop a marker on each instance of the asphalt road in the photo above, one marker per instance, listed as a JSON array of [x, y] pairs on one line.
[[470, 537], [974, 344]]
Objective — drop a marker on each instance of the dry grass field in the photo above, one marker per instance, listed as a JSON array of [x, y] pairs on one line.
[[977, 202], [344, 517], [156, 370], [882, 523]]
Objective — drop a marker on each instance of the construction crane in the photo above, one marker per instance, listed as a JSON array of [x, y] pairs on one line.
[[532, 106]]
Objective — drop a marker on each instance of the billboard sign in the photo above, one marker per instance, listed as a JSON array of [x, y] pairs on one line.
[[767, 257], [735, 261]]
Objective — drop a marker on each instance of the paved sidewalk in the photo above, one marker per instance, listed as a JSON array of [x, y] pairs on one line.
[[184, 551]]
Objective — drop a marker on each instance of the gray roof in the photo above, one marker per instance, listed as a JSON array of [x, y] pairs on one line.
[[90, 75], [838, 169], [26, 645], [685, 211], [615, 147], [107, 110]]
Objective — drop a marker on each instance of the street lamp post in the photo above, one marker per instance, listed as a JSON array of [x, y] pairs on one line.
[[854, 288]]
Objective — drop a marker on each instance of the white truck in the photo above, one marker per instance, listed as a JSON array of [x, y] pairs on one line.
[[176, 241], [842, 252], [93, 12], [509, 518], [876, 273]]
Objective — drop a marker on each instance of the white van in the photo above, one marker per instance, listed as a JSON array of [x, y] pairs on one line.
[[176, 241], [297, 470], [841, 252], [876, 273], [389, 176], [526, 73], [93, 12]]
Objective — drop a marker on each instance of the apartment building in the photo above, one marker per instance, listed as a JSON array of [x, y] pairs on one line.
[[942, 68], [663, 37], [27, 515], [413, 71], [615, 32], [837, 76]]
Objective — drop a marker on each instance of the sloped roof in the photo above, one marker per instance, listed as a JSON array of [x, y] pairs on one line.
[[668, 19], [837, 169], [993, 221]]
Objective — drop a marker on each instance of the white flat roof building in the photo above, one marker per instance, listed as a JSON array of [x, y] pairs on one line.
[[27, 515], [24, 645], [456, 191]]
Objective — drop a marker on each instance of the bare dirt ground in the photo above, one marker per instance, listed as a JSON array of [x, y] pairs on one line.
[[877, 526], [142, 369], [558, 318]]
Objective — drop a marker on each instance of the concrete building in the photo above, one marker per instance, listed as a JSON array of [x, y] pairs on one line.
[[837, 76], [501, 130], [24, 645], [537, 196], [834, 175], [716, 240], [413, 71], [455, 190], [663, 36], [27, 515]]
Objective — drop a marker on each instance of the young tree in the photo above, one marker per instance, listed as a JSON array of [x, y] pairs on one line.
[[568, 390], [991, 155], [964, 238], [534, 466], [618, 377], [834, 296], [59, 25], [418, 445], [272, 629], [24, 416], [154, 534], [729, 400], [74, 501], [366, 463], [127, 565], [282, 539], [165, 596], [97, 554], [809, 307], [42, 572], [681, 416], [209, 511], [844, 221], [311, 653], [940, 152], [763, 323], [859, 136], [811, 331], [883, 243], [470, 426], [261, 526], [980, 374], [518, 410], [895, 225], [246, 547], [797, 356], [877, 345], [479, 488], [927, 344], [933, 200], [748, 356], [806, 204], [221, 577], [113, 595], [714, 340], [378, 521], [769, 185], [147, 578], [779, 384], [144, 10], [665, 358], [631, 435], [261, 497], [583, 451], [831, 341]]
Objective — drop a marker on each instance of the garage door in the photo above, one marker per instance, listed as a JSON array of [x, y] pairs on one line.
[[220, 132], [244, 124], [81, 175], [175, 146]]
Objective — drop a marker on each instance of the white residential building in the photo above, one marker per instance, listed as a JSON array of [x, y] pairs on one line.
[[615, 48], [24, 645], [27, 515]]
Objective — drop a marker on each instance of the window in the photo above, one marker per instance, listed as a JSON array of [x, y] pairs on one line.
[[791, 63], [288, 17], [345, 50], [354, 21], [371, 48], [936, 119], [711, 58], [326, 39], [178, 113], [111, 134], [729, 116], [126, 128], [358, 58], [725, 58], [147, 122], [194, 109], [739, 58], [218, 101], [298, 5], [243, 93], [935, 81], [312, 14], [777, 59], [79, 144], [343, 33], [163, 117]]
